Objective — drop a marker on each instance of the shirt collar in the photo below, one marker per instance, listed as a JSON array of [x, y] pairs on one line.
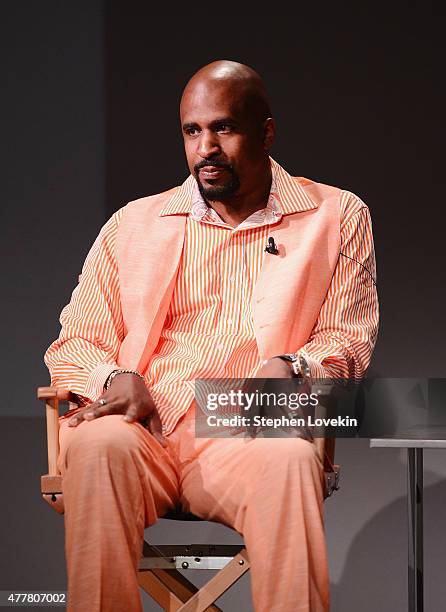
[[290, 194], [271, 213]]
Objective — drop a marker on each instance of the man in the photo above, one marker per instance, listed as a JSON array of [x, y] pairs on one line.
[[178, 287]]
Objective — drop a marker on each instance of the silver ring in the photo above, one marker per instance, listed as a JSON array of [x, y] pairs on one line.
[[102, 401]]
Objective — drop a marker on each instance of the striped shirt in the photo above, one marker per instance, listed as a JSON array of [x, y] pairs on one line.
[[208, 331]]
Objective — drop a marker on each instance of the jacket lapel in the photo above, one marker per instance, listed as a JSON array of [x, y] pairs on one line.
[[149, 250], [292, 285]]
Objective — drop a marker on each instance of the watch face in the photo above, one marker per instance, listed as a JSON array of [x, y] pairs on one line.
[[296, 367], [291, 357]]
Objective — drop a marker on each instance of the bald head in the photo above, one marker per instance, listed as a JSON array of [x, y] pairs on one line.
[[228, 130], [242, 82]]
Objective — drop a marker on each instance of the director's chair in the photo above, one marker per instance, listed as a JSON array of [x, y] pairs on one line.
[[158, 572]]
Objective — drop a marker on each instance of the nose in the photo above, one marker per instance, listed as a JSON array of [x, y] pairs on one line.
[[208, 145]]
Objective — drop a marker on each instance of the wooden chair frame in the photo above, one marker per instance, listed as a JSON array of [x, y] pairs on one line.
[[159, 567]]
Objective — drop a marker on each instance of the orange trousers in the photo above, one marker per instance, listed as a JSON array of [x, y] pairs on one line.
[[117, 480]]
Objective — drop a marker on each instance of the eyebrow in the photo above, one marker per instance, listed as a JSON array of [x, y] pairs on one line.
[[215, 123], [189, 125]]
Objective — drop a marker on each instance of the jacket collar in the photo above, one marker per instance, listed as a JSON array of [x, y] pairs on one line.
[[292, 196]]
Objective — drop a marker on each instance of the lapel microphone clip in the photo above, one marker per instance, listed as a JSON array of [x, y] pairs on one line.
[[271, 247]]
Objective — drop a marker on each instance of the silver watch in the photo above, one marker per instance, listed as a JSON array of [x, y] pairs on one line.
[[298, 363]]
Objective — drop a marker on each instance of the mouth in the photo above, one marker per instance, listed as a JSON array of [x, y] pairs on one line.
[[211, 172]]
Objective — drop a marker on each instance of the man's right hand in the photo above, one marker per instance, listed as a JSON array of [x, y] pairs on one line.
[[129, 396]]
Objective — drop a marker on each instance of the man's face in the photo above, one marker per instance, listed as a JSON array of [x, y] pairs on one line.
[[224, 144]]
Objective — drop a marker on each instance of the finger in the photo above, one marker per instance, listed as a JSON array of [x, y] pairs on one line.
[[131, 414], [97, 410], [76, 419], [79, 417], [156, 429], [93, 411]]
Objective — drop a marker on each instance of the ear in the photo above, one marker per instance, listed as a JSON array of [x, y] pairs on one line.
[[269, 133]]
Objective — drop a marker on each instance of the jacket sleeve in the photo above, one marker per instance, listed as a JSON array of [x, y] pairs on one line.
[[343, 338], [87, 348]]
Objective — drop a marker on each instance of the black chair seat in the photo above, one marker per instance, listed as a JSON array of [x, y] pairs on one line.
[[179, 515]]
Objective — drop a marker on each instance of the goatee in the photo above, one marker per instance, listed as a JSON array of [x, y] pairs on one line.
[[220, 192]]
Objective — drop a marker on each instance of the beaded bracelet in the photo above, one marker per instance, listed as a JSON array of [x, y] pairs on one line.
[[112, 375]]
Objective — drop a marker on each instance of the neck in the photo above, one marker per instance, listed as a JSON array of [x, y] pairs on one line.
[[238, 208]]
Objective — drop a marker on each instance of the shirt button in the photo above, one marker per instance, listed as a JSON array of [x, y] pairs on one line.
[[229, 321], [232, 279], [220, 347]]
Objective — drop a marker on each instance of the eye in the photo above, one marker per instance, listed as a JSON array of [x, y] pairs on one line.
[[191, 130], [224, 127]]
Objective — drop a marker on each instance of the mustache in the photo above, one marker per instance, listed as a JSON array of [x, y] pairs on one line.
[[211, 162]]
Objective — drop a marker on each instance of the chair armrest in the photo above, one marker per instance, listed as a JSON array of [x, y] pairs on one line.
[[63, 395], [325, 447], [326, 450], [52, 396]]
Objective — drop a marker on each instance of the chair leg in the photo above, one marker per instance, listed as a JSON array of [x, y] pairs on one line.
[[158, 590], [169, 588], [205, 597]]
